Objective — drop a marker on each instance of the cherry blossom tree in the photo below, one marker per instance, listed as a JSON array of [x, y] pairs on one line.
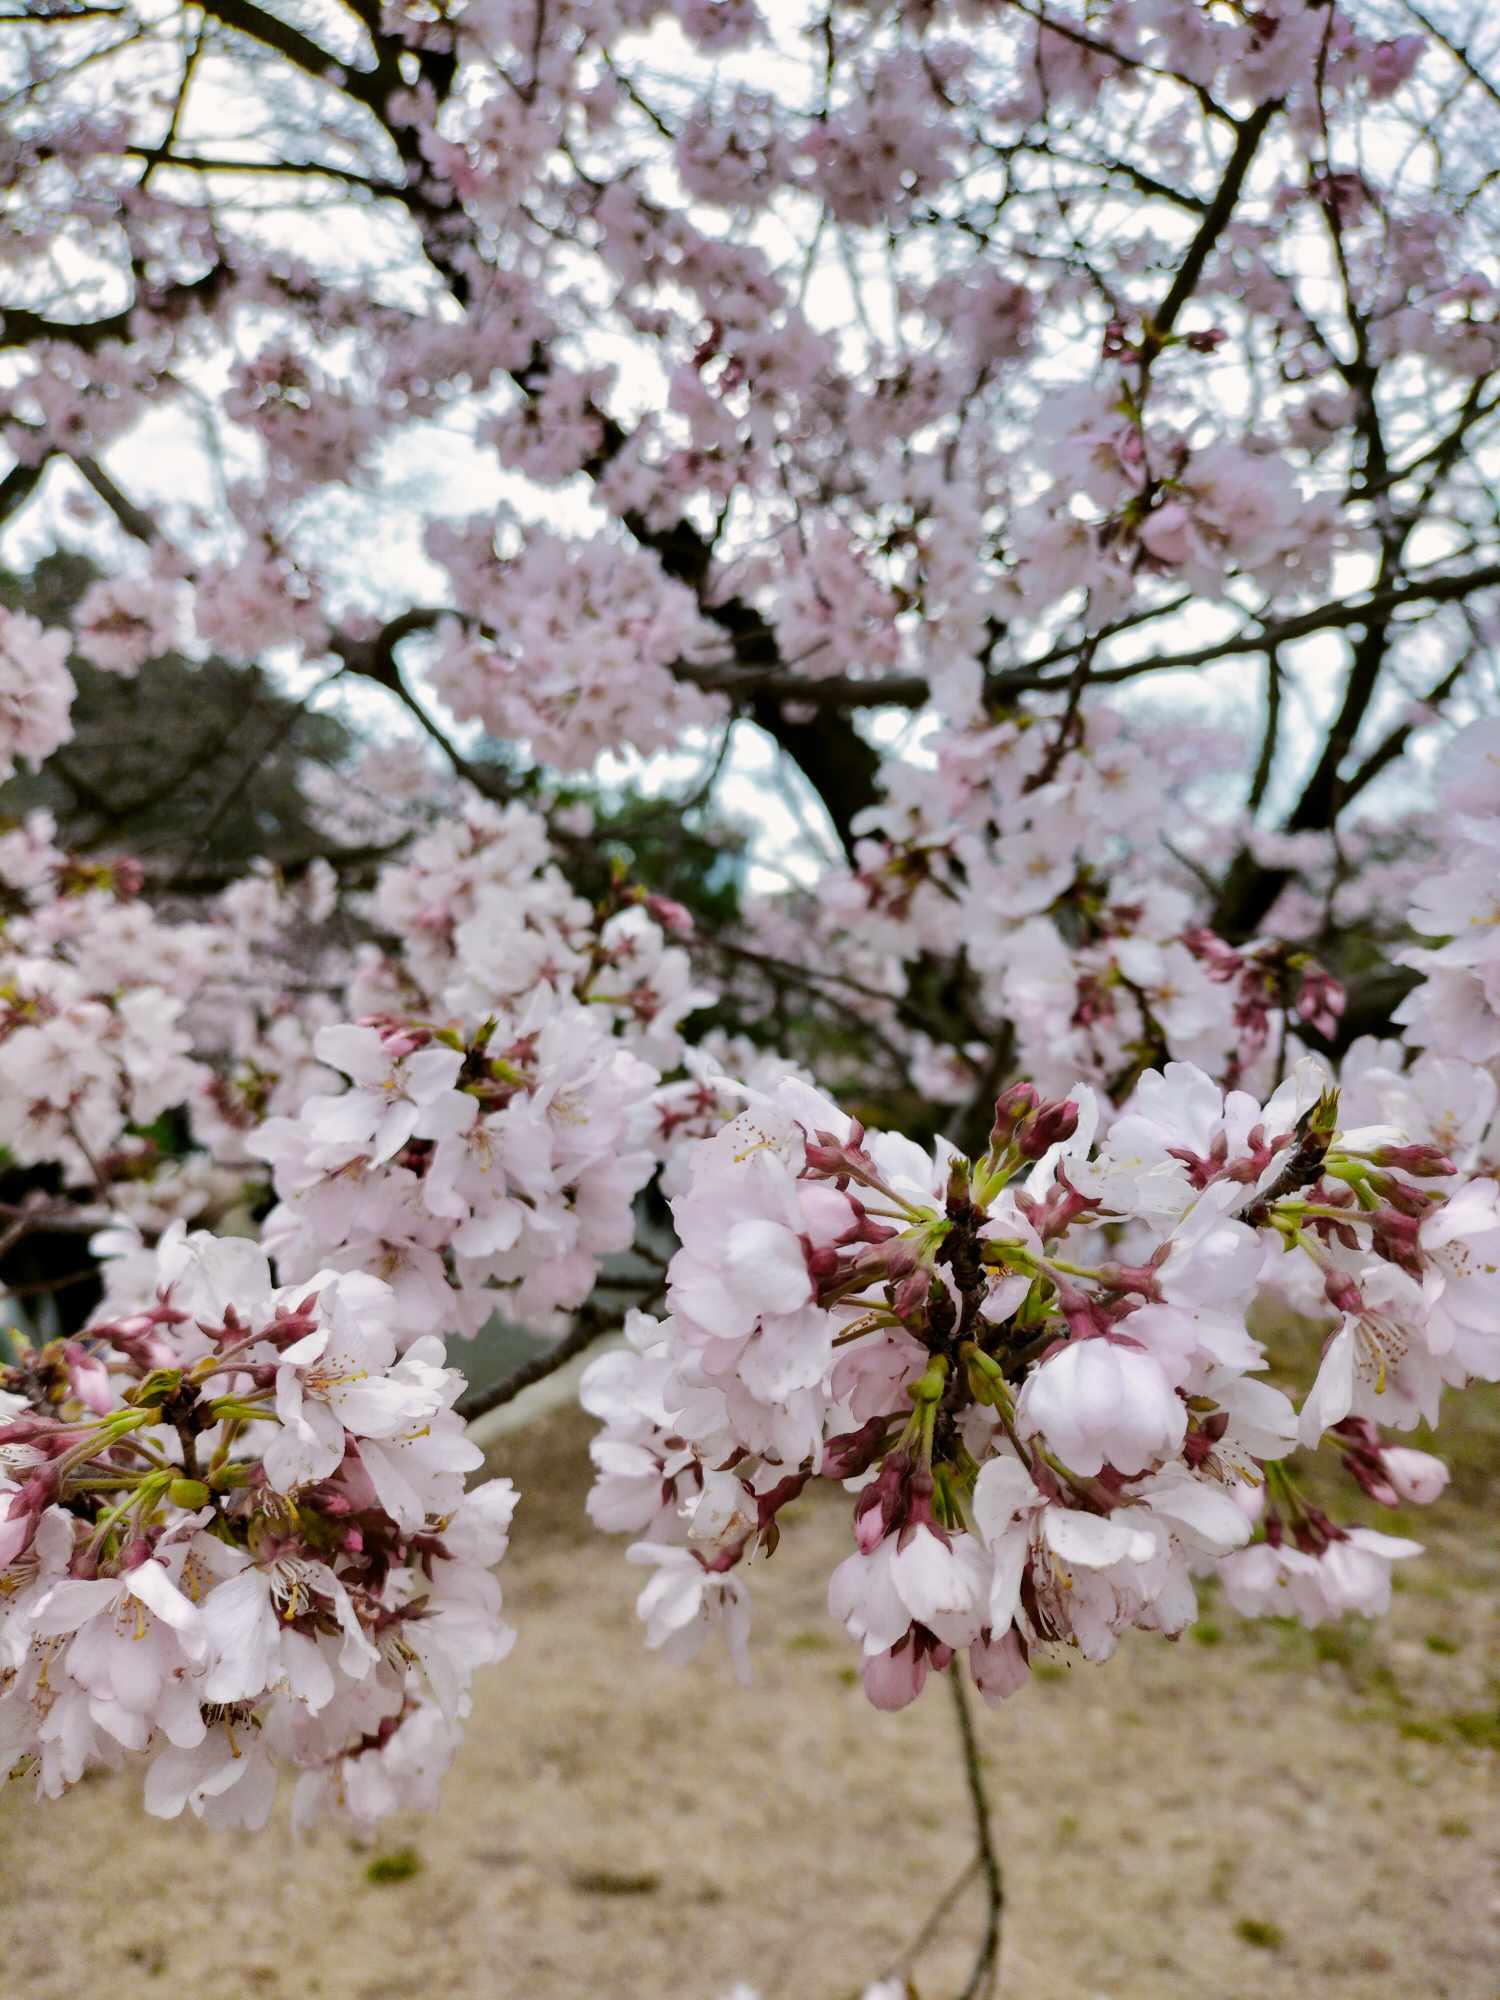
[[1055, 447]]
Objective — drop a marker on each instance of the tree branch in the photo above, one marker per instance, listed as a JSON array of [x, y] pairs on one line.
[[1330, 617], [1207, 234], [589, 1326], [18, 485], [300, 50]]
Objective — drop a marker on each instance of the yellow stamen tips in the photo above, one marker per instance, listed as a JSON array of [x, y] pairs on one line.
[[234, 1748]]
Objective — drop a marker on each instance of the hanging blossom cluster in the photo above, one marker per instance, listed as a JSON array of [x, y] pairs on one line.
[[481, 915], [235, 1541], [1036, 1369], [569, 645]]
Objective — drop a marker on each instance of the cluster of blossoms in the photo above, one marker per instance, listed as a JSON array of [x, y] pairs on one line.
[[236, 1540], [578, 643], [1201, 515], [464, 1166], [487, 1150], [1036, 1367], [114, 1012], [897, 498], [482, 916], [1455, 1010], [1039, 840], [233, 1528], [36, 691], [93, 989]]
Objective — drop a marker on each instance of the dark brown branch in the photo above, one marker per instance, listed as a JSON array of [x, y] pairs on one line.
[[207, 881], [1330, 617], [21, 327], [833, 691], [307, 169], [300, 50], [1271, 733], [1209, 230], [18, 485], [134, 520], [1394, 742], [589, 1326]]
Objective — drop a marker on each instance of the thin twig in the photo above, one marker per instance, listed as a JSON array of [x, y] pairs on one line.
[[985, 1978], [1067, 722], [904, 1960]]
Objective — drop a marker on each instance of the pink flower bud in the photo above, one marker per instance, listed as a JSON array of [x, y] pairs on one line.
[[1416, 1475], [1320, 1001], [88, 1379], [1370, 1475], [854, 1452], [1052, 1124], [1013, 1108], [1424, 1161], [869, 1522], [911, 1293], [1396, 1237], [671, 916]]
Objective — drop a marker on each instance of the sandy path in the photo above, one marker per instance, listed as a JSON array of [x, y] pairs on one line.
[[1244, 1819]]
